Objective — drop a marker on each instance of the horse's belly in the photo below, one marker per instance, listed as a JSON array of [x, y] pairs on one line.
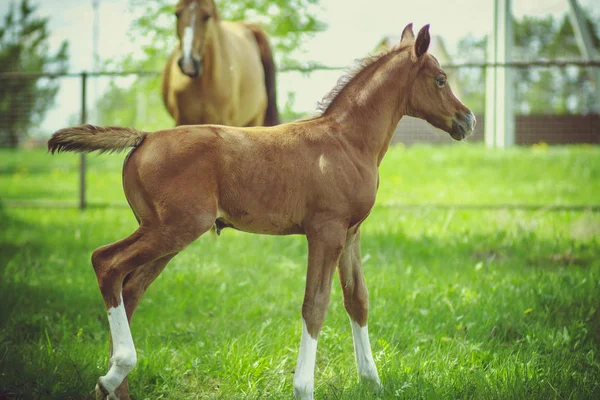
[[198, 113], [268, 223]]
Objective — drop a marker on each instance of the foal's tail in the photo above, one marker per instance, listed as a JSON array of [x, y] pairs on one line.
[[88, 138], [266, 57]]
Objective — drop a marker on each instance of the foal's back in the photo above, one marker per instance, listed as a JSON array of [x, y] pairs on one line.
[[261, 180]]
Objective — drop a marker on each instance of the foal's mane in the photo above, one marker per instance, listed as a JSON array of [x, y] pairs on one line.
[[360, 67]]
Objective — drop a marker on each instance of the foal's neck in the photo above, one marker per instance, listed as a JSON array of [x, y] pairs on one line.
[[371, 104]]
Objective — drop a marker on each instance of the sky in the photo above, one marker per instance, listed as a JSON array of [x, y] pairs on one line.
[[353, 30]]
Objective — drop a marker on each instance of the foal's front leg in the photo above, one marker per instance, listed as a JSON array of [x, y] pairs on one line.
[[356, 302], [325, 244]]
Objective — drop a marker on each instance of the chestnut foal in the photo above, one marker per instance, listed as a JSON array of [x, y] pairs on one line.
[[316, 177]]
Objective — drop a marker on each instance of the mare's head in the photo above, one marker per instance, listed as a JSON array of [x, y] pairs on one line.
[[194, 21], [430, 97]]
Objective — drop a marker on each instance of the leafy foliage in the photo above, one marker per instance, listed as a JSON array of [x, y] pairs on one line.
[[24, 48], [471, 81], [288, 23], [537, 90]]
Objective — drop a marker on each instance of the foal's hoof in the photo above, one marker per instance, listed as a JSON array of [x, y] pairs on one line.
[[378, 389], [101, 392], [122, 393]]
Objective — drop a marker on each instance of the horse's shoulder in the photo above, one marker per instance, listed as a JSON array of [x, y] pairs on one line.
[[238, 30]]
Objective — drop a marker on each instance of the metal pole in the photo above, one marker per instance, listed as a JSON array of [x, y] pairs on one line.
[[499, 112], [82, 203], [95, 59]]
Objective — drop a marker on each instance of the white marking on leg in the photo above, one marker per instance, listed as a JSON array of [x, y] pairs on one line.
[[123, 357], [362, 349], [304, 377]]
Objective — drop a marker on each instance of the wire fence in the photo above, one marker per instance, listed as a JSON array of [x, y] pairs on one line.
[[555, 102], [543, 89]]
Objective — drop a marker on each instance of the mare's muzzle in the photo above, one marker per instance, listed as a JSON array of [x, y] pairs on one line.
[[463, 125], [190, 66]]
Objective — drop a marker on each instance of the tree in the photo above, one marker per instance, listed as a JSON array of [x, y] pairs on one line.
[[288, 23], [471, 80], [24, 48], [537, 90]]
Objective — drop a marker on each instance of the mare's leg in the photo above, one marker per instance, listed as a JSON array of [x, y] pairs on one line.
[[325, 244], [134, 287], [356, 302]]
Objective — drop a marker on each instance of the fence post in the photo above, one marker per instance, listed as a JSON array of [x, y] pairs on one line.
[[82, 202], [499, 96]]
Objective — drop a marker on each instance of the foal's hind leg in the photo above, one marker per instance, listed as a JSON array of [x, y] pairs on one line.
[[111, 264], [356, 302], [138, 281], [134, 287]]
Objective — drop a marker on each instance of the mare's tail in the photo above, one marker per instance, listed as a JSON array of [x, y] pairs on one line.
[[266, 57], [88, 138]]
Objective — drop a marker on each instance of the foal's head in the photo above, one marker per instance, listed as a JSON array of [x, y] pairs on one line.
[[431, 97], [194, 20]]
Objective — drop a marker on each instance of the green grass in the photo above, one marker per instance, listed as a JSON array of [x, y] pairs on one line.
[[479, 304], [461, 174]]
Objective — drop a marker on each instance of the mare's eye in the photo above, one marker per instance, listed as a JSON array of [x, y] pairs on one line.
[[178, 14], [206, 18], [440, 81]]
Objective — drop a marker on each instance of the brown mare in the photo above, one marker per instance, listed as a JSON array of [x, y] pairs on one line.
[[221, 73], [316, 177]]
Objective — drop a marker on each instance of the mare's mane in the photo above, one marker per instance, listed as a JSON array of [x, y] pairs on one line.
[[361, 66]]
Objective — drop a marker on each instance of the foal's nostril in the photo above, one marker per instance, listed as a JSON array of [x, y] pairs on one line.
[[471, 120]]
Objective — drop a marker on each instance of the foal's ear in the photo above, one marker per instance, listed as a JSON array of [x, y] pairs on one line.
[[422, 42], [407, 35]]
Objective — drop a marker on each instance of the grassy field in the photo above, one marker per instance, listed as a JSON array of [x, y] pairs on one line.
[[483, 303]]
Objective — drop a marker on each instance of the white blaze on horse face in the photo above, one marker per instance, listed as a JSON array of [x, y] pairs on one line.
[[123, 356], [304, 377], [188, 40], [362, 350]]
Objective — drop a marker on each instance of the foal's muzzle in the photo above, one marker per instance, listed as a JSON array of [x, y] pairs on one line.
[[463, 125], [191, 67]]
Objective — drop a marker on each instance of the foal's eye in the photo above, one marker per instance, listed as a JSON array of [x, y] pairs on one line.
[[440, 81], [178, 14], [206, 18]]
